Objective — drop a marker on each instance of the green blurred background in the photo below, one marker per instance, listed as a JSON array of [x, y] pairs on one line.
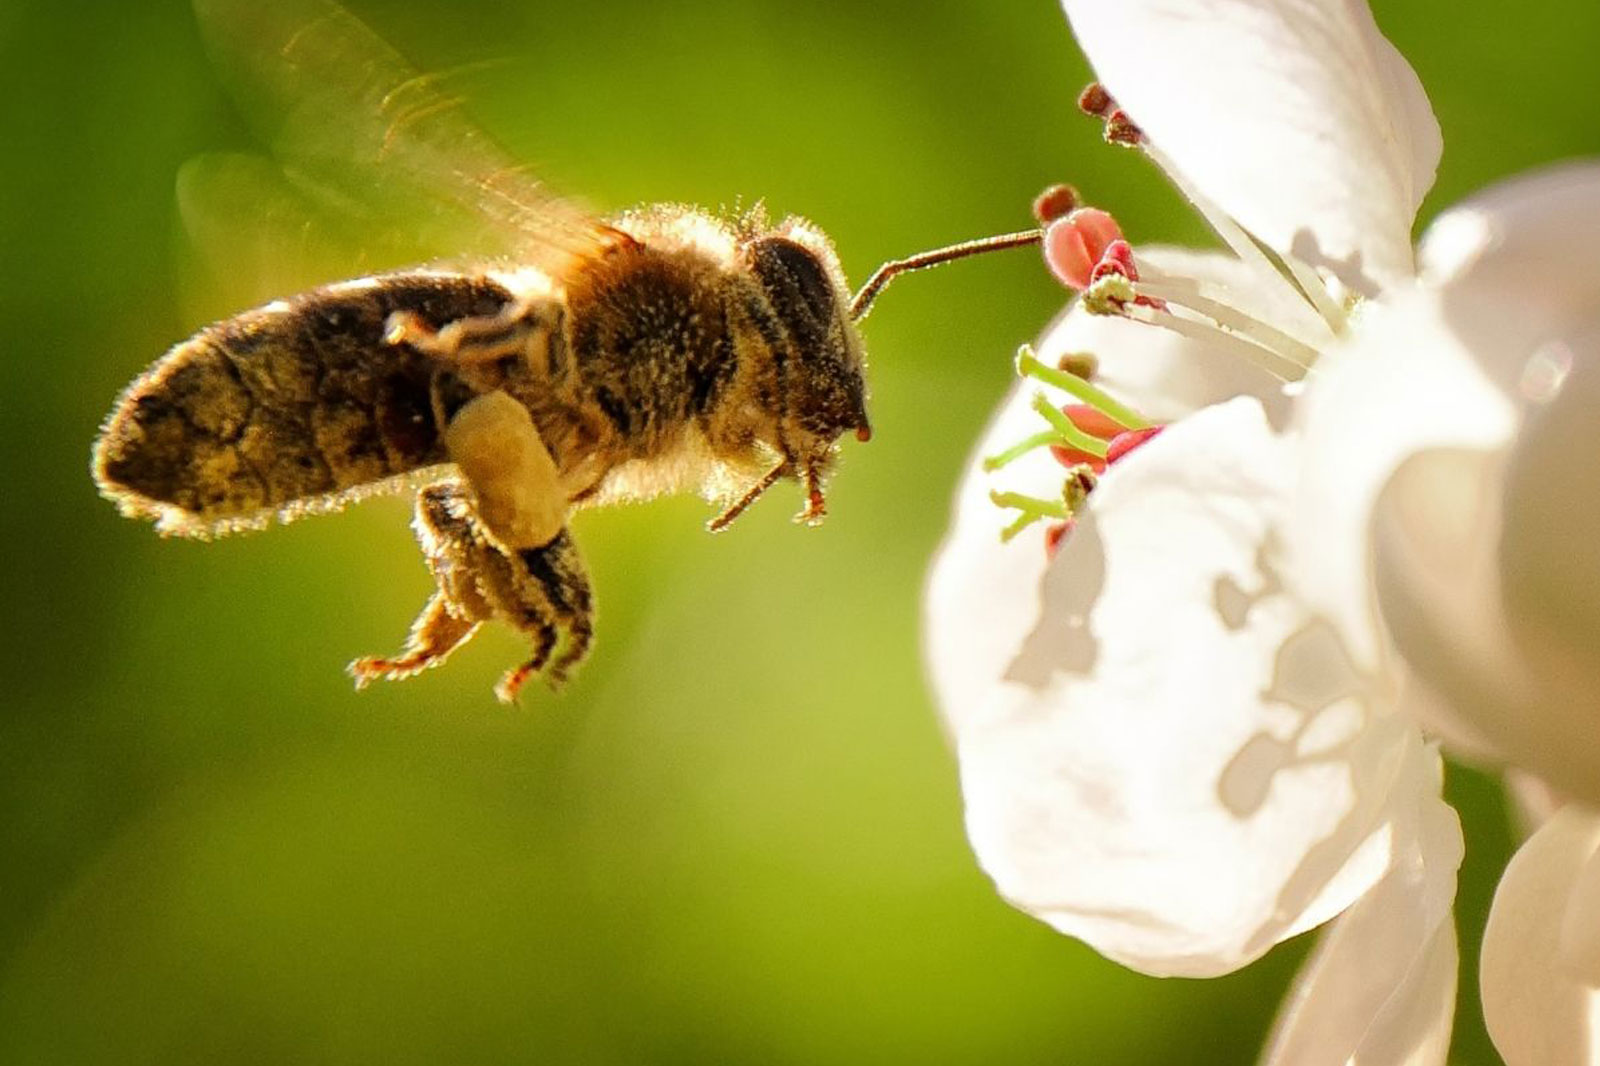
[[737, 838]]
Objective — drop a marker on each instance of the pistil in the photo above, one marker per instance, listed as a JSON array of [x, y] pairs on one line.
[[1029, 366], [1084, 438]]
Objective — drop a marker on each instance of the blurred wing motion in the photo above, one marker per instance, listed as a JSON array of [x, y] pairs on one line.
[[372, 153], [256, 236]]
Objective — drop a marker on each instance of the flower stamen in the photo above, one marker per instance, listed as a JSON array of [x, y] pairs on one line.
[[1077, 440], [1119, 128], [1185, 293], [1266, 359], [1028, 366], [1058, 201], [1235, 237], [1084, 437], [1317, 292], [1018, 450], [1076, 246]]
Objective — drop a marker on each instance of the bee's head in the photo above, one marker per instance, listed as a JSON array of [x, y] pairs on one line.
[[822, 389], [808, 320]]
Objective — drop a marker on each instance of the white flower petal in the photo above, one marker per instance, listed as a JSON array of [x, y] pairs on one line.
[[1519, 675], [1380, 989], [1518, 270], [972, 632], [1296, 117], [1404, 382], [1164, 375], [1481, 385], [1371, 996], [1160, 752], [1533, 802], [1550, 546], [1580, 929], [1540, 1011]]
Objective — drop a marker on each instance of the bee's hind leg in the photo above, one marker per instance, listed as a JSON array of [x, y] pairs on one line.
[[516, 487], [547, 589], [543, 592], [497, 544], [437, 632], [446, 529], [519, 499]]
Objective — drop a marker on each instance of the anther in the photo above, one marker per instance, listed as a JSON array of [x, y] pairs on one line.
[[1121, 130], [1128, 440], [1093, 421], [1079, 364], [1081, 481], [1074, 245], [1095, 101], [1110, 294], [1057, 201], [1054, 534], [1096, 424], [1116, 258]]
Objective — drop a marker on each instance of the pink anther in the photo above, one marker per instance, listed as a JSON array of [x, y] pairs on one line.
[[1116, 259], [1076, 244], [1096, 424], [1128, 440], [1120, 440], [1054, 534]]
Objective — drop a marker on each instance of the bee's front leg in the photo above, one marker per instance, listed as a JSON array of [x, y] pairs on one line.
[[543, 591]]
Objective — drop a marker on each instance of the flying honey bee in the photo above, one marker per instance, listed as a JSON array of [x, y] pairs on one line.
[[584, 361]]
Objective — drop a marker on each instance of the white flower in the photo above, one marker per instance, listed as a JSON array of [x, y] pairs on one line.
[[1197, 730], [1481, 537]]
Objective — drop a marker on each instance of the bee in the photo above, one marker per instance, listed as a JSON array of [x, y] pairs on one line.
[[583, 362]]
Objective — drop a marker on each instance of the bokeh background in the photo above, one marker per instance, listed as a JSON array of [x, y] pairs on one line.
[[737, 838]]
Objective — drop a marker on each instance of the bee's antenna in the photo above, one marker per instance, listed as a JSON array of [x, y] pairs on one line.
[[862, 303]]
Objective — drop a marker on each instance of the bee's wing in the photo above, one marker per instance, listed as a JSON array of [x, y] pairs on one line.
[[359, 132], [255, 235]]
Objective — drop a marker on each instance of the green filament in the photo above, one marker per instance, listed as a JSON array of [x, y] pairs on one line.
[[1028, 366]]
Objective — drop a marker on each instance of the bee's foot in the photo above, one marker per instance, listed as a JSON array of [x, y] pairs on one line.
[[510, 686], [438, 631], [541, 592], [372, 668], [813, 514], [816, 507]]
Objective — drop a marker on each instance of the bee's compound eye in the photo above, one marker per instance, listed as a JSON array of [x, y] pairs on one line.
[[795, 280]]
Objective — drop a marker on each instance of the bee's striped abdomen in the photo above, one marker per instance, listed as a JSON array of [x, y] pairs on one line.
[[290, 405]]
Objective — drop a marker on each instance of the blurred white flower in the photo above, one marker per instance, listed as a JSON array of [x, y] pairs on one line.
[[1198, 729], [1466, 526]]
